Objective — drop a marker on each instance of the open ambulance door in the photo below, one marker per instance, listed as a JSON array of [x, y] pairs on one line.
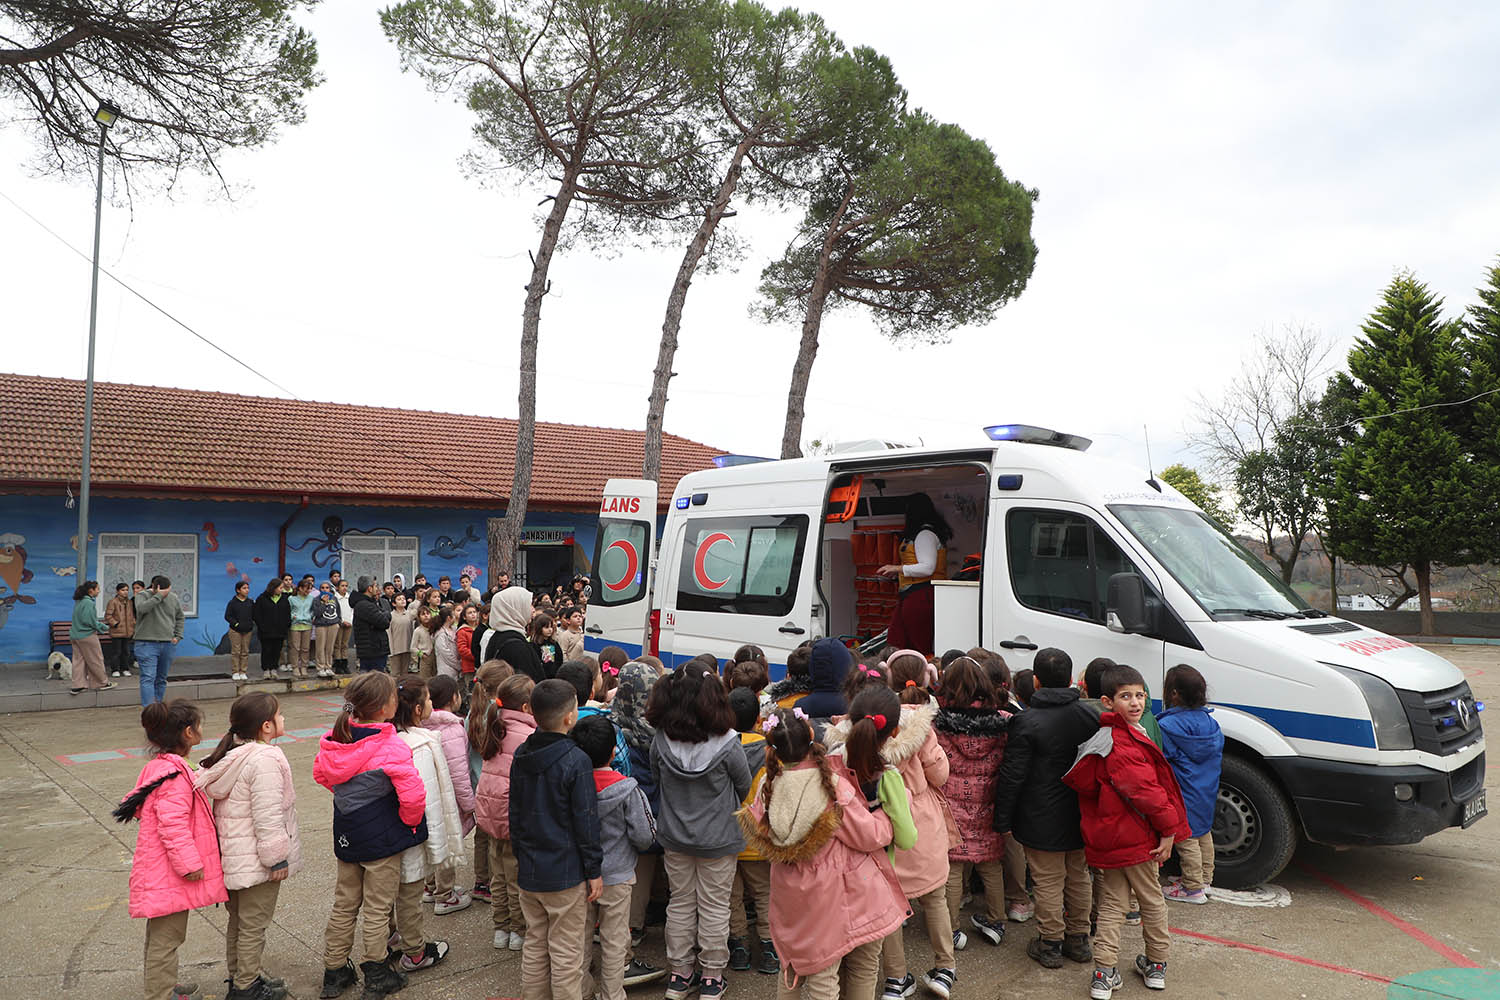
[[621, 578]]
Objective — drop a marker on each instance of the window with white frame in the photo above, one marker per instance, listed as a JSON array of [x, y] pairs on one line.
[[379, 556], [125, 557]]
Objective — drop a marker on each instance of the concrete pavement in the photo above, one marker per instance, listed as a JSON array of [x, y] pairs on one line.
[[1357, 919]]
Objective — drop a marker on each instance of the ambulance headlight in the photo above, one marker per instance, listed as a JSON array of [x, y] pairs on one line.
[[1392, 728]]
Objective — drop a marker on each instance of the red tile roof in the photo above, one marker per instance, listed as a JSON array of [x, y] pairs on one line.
[[152, 440]]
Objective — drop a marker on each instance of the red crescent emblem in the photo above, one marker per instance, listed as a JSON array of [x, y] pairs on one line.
[[632, 563], [700, 570]]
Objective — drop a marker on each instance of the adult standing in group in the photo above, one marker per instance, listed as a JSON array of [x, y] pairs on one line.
[[273, 620], [403, 617], [510, 613], [372, 643], [158, 630], [84, 633], [924, 558], [120, 617], [346, 626], [326, 618], [240, 614]]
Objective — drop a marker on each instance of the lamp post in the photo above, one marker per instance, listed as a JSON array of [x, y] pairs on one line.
[[106, 117]]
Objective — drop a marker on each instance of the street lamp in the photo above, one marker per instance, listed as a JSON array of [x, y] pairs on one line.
[[106, 116]]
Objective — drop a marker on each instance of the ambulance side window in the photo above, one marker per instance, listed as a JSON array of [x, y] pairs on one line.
[[1061, 562], [741, 565], [620, 560]]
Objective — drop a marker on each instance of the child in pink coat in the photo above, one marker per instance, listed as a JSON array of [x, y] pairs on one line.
[[443, 721], [176, 866], [834, 896], [509, 726]]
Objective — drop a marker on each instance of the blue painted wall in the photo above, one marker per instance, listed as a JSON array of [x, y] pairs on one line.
[[37, 559]]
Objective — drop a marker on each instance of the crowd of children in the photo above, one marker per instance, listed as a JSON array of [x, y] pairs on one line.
[[873, 788]]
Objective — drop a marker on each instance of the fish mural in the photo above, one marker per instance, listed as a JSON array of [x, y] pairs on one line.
[[65, 570], [445, 547], [73, 540], [474, 571], [211, 544], [13, 573]]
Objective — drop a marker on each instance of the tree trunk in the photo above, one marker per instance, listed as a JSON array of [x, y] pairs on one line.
[[657, 407], [812, 322], [1424, 596], [505, 540], [493, 534], [1333, 581]]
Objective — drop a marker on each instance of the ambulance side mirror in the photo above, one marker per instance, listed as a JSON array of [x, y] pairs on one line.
[[1125, 609]]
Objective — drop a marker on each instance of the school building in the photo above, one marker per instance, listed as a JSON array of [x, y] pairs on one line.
[[212, 488]]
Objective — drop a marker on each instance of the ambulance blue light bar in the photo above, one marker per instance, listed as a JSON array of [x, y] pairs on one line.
[[682, 502], [730, 461], [1028, 434]]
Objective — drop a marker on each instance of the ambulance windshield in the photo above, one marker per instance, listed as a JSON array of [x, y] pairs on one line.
[[1228, 581]]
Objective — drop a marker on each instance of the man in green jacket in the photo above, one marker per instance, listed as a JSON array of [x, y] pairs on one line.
[[158, 630]]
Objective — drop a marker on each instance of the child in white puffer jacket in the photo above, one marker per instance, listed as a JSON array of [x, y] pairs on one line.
[[255, 812]]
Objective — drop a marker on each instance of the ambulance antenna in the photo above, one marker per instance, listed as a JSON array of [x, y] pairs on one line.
[[1150, 468]]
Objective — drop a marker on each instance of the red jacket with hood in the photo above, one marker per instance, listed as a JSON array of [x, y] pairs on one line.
[[1127, 794]]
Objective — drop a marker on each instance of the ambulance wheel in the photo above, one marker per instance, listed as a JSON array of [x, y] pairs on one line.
[[1255, 830]]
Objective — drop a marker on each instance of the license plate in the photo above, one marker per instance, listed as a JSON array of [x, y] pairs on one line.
[[1474, 810]]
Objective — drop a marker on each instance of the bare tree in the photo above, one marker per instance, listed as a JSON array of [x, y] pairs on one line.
[[190, 79]]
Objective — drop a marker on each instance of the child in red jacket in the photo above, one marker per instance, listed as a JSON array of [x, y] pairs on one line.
[[1131, 812]]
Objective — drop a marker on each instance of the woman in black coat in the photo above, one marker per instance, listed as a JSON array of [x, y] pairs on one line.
[[273, 620]]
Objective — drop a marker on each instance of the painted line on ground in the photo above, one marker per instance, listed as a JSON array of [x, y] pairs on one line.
[[124, 753], [1458, 958], [1273, 953]]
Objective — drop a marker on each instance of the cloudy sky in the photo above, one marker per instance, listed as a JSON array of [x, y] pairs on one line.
[[1205, 175]]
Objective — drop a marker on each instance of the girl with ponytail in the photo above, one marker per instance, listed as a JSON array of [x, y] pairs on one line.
[[911, 747], [445, 833], [379, 803], [249, 782], [834, 896], [508, 724], [481, 703], [176, 867]]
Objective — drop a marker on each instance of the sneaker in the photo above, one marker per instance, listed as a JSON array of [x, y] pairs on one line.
[[638, 972], [336, 981], [1077, 947], [517, 941], [739, 955], [682, 987], [770, 961], [380, 980], [1020, 912], [960, 940], [126, 673], [76, 690], [456, 901], [1133, 918], [1154, 973], [502, 940], [939, 982], [481, 892], [898, 989], [1104, 984], [108, 686], [991, 931], [260, 989], [1048, 954], [114, 673], [637, 935], [431, 955], [1177, 894], [712, 988], [429, 895], [186, 991]]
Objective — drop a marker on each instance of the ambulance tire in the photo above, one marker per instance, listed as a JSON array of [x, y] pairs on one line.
[[1255, 829]]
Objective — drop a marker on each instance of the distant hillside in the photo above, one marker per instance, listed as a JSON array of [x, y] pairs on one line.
[[1469, 588]]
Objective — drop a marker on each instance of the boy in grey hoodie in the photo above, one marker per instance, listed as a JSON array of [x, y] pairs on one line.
[[625, 829]]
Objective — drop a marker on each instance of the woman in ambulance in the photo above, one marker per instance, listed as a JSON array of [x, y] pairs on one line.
[[924, 558]]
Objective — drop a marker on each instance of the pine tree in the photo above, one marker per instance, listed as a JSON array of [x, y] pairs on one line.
[[1406, 489], [1482, 343]]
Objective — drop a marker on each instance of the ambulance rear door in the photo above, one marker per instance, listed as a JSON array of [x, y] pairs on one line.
[[621, 578]]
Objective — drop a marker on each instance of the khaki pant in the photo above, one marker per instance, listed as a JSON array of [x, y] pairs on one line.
[[250, 912], [1143, 880], [239, 651], [993, 876], [407, 918], [301, 641], [1061, 879], [481, 856], [341, 642], [88, 665], [557, 936], [611, 913], [164, 935], [861, 972], [820, 985], [505, 894], [1197, 857], [698, 913], [647, 866], [323, 643], [753, 877], [1014, 863], [399, 663], [934, 907], [369, 887], [444, 876]]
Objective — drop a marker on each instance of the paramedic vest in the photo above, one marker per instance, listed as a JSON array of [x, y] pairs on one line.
[[909, 558]]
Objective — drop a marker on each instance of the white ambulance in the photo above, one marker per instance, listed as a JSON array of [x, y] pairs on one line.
[[1333, 731]]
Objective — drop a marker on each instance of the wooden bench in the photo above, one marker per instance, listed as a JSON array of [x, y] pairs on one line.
[[60, 639]]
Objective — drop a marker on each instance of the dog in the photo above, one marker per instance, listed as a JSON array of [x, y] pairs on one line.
[[59, 667]]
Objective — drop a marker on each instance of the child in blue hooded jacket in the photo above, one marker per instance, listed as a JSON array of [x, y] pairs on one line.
[[1194, 746]]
